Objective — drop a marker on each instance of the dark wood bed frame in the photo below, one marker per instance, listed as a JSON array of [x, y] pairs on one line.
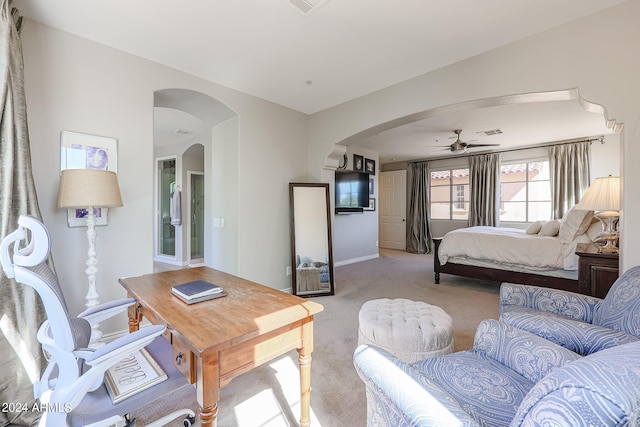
[[497, 275]]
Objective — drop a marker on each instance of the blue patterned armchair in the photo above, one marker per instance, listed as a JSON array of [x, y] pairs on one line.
[[510, 377], [578, 322]]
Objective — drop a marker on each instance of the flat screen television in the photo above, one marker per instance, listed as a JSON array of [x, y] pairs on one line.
[[352, 191]]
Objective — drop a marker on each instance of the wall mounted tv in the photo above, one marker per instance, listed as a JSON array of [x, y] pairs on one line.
[[352, 192]]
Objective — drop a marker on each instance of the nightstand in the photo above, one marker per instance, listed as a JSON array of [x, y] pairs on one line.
[[596, 271]]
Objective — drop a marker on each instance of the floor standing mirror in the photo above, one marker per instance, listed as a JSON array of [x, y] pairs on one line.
[[311, 247]]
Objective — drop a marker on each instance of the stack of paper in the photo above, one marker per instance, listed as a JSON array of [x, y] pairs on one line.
[[199, 290]]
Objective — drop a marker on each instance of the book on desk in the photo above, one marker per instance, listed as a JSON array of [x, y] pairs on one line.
[[197, 291]]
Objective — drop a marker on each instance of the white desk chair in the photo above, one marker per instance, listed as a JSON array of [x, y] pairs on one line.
[[72, 386]]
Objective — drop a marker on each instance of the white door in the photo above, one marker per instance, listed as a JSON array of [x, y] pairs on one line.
[[393, 196]]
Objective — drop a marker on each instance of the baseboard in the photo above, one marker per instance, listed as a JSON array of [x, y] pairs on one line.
[[354, 260]]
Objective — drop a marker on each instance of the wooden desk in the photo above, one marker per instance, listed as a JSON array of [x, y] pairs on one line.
[[217, 340]]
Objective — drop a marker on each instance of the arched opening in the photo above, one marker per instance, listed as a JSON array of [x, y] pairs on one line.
[[526, 120], [186, 130]]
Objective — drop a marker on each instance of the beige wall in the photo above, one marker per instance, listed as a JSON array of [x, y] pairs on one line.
[[78, 85]]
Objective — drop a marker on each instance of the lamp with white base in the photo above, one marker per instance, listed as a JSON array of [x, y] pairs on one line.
[[89, 189], [603, 197]]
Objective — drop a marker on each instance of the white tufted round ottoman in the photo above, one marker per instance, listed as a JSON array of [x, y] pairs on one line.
[[410, 330]]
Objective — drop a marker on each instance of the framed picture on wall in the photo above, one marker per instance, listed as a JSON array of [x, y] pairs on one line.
[[83, 151], [372, 205], [358, 163], [78, 217], [370, 166], [371, 184]]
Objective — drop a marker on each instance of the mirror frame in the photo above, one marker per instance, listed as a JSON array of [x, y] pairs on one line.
[[294, 282]]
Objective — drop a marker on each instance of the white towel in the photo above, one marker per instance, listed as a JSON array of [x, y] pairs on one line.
[[176, 211]]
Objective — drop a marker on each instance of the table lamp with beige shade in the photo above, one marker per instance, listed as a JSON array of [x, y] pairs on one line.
[[89, 189], [603, 197]]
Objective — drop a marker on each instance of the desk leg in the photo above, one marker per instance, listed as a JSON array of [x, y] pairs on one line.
[[209, 416], [305, 373], [208, 389], [135, 317]]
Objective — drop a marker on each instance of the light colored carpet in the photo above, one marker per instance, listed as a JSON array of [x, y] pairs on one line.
[[269, 395]]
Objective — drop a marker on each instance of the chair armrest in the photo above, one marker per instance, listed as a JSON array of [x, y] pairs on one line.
[[564, 303], [102, 359], [123, 346], [106, 310], [531, 356], [580, 337], [401, 396]]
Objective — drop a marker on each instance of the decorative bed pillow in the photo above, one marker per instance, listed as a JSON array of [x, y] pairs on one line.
[[535, 227], [574, 223], [550, 228]]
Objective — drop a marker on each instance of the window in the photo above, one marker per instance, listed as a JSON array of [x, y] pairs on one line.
[[449, 194], [458, 201], [525, 191]]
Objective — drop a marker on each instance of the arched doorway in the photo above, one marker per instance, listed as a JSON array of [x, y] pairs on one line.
[[184, 133]]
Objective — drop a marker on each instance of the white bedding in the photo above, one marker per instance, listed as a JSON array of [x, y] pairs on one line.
[[510, 246]]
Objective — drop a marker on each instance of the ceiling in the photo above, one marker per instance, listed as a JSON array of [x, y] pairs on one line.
[[338, 51], [508, 125], [268, 48]]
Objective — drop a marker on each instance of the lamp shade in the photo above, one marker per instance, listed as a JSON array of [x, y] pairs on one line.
[[82, 188], [602, 195]]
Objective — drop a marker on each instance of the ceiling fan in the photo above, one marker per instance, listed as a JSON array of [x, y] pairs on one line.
[[461, 147]]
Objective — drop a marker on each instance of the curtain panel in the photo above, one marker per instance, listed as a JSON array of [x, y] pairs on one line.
[[22, 312], [418, 230], [484, 190], [570, 175]]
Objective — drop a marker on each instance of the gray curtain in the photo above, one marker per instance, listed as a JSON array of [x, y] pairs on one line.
[[22, 311], [418, 231], [569, 169], [484, 189]]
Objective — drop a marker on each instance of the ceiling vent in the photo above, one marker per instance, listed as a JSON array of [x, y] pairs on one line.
[[307, 6], [491, 132]]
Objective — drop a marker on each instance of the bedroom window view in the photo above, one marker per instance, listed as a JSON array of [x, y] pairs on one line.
[[525, 192], [450, 194]]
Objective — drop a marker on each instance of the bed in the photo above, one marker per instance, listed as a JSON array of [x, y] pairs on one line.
[[542, 255], [311, 275]]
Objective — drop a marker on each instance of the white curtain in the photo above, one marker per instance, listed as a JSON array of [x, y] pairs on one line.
[[484, 193], [569, 169], [22, 311]]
